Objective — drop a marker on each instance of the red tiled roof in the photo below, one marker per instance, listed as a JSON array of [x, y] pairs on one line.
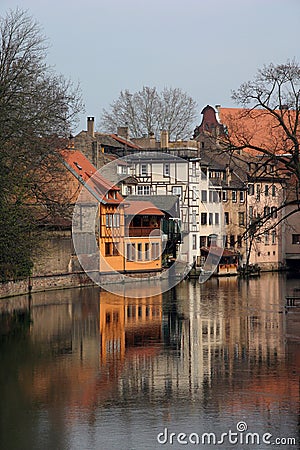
[[125, 142], [87, 172], [258, 128]]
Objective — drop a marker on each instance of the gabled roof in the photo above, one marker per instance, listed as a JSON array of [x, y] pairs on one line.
[[125, 142], [107, 140], [86, 173]]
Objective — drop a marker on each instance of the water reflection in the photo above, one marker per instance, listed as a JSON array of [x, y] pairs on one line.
[[87, 369]]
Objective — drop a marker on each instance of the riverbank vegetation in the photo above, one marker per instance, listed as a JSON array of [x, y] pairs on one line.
[[38, 110]]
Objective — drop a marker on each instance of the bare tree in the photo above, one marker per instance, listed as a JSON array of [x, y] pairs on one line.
[[272, 102], [262, 138], [38, 110], [149, 111]]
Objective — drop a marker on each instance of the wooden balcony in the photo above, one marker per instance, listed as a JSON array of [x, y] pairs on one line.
[[143, 232]]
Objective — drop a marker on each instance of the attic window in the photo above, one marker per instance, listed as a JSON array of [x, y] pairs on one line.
[[77, 165], [112, 194]]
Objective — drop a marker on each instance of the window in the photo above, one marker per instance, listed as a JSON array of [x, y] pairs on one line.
[[144, 170], [177, 190], [122, 170], [147, 252], [231, 241], [295, 238], [166, 169], [139, 252], [203, 218], [267, 211], [112, 220], [241, 218], [116, 220], [215, 197], [130, 252], [194, 217], [155, 250], [210, 219], [239, 241], [203, 174], [143, 190], [211, 196], [204, 196], [273, 190], [258, 192], [108, 251], [202, 241], [242, 196], [234, 196], [108, 220], [266, 190], [212, 240], [273, 237], [224, 196], [193, 169], [217, 219], [194, 242], [195, 194], [251, 189], [266, 236], [274, 212], [226, 218], [250, 212], [116, 249]]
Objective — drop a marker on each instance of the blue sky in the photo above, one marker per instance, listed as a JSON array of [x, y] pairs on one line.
[[205, 47]]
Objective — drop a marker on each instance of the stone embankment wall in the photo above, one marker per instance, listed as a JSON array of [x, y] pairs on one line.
[[43, 283], [55, 268]]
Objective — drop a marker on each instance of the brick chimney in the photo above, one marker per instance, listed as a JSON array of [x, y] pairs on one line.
[[90, 126], [164, 139], [123, 132]]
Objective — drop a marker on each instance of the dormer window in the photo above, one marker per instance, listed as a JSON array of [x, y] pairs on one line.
[[144, 170], [122, 170], [112, 194], [77, 165]]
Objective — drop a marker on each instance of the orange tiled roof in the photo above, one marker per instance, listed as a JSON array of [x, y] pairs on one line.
[[142, 208], [87, 173], [258, 128]]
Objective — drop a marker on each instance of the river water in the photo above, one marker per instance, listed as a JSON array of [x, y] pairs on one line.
[[213, 365]]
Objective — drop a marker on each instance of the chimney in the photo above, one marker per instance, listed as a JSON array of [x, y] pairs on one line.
[[164, 139], [123, 132], [228, 174], [90, 126]]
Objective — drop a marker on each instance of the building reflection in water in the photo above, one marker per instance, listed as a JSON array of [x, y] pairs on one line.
[[219, 346]]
